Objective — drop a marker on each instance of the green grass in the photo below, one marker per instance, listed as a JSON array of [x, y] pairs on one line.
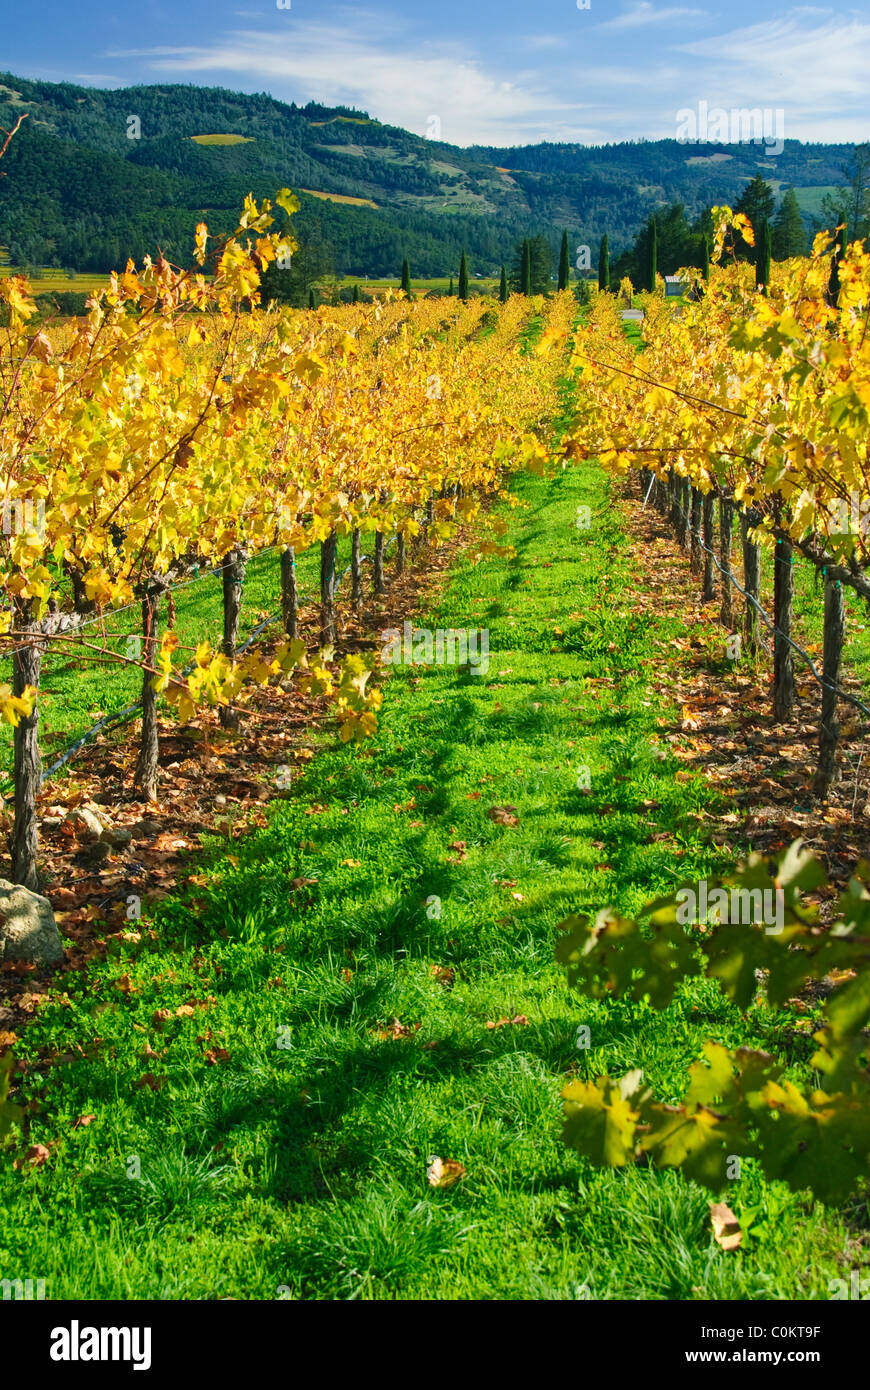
[[304, 1167], [223, 139], [53, 281], [73, 696]]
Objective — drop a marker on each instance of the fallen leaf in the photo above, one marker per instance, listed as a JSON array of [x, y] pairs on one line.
[[443, 1172], [395, 1030], [726, 1228], [36, 1155], [83, 1121], [503, 815], [518, 1020], [153, 1082]]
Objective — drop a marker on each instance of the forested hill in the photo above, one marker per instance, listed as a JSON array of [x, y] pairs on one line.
[[80, 192]]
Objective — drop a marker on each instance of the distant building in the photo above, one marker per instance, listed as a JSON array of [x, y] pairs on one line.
[[674, 285]]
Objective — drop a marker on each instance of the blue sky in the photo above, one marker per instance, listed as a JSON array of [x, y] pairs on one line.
[[494, 71]]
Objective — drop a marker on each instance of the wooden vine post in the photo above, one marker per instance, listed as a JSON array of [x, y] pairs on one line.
[[145, 774], [328, 626], [356, 589], [726, 533], [829, 731], [783, 659], [709, 579], [26, 665], [378, 585], [233, 578], [751, 582], [696, 513], [289, 593]]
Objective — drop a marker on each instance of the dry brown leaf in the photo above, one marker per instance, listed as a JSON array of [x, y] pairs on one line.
[[35, 1156], [503, 815], [726, 1228], [395, 1030], [443, 1172], [153, 1082]]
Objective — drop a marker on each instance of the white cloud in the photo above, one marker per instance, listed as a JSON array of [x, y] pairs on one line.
[[645, 13], [816, 73], [813, 65], [400, 85]]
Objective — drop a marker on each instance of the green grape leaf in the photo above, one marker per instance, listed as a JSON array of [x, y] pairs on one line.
[[601, 1118]]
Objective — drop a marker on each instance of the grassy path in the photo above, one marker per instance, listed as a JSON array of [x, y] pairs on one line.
[[310, 1035]]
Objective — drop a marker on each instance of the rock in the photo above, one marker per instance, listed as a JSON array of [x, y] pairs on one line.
[[28, 931], [86, 826], [97, 853], [220, 801], [117, 835], [51, 822], [145, 830]]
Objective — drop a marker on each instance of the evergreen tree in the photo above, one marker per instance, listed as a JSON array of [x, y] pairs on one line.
[[652, 251], [450, 289], [312, 299], [540, 264], [787, 236], [756, 202], [503, 289], [762, 255], [851, 202], [406, 277], [310, 264], [525, 268], [705, 256], [564, 263], [356, 294], [834, 281], [463, 277], [604, 264]]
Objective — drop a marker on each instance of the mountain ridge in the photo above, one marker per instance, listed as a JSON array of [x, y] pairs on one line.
[[80, 192]]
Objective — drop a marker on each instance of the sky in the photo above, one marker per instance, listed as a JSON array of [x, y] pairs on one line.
[[492, 71]]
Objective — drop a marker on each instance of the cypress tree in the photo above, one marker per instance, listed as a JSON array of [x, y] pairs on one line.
[[604, 264], [652, 249], [762, 256], [526, 269], [463, 277], [787, 235], [834, 281], [705, 256], [502, 289], [450, 290], [406, 277], [564, 263], [356, 294], [312, 301]]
